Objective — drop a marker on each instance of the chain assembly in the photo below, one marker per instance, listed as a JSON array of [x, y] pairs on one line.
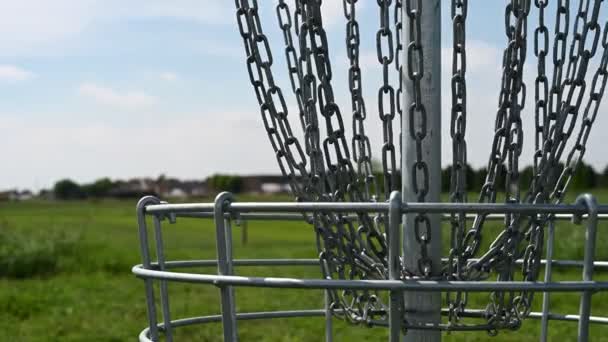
[[331, 168], [556, 111], [322, 170]]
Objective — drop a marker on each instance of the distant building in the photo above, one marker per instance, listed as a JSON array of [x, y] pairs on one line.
[[265, 184], [16, 195], [176, 188], [133, 188]]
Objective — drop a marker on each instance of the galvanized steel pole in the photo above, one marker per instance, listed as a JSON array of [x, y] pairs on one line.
[[422, 307]]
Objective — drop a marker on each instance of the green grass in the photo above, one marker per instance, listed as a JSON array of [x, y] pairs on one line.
[[71, 278]]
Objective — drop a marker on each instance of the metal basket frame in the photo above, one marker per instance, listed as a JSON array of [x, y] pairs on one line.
[[224, 210]]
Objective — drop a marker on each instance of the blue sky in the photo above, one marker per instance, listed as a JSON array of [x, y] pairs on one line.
[[92, 88]]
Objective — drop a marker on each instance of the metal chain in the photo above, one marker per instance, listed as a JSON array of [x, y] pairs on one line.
[[398, 19], [509, 240], [541, 86], [458, 186], [386, 97], [340, 243], [507, 135], [345, 252], [361, 145], [506, 146], [270, 98], [291, 56], [418, 130], [562, 24], [598, 85]]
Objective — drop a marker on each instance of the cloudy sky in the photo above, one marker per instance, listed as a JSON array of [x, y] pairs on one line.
[[129, 88]]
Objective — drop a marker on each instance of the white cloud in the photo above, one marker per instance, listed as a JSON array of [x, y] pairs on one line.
[[95, 149], [168, 76], [333, 11], [108, 96], [34, 27], [482, 57], [208, 11], [14, 73], [220, 48], [28, 26]]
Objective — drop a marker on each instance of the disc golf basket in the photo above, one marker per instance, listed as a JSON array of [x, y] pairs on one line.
[[379, 238]]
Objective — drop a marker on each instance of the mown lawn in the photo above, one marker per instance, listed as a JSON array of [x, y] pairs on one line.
[[65, 274]]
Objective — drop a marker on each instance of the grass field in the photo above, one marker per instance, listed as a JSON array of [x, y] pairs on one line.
[[65, 274]]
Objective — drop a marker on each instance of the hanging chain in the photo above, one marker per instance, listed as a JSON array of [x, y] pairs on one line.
[[270, 98], [458, 186], [509, 240], [418, 130], [398, 19], [361, 146], [507, 135], [346, 252], [386, 98], [541, 86], [506, 146], [574, 89]]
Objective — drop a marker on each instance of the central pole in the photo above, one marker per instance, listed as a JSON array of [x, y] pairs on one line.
[[422, 308]]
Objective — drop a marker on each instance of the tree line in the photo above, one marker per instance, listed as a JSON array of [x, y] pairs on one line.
[[585, 178], [67, 189]]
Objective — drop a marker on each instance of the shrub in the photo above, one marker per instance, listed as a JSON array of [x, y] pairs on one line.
[[230, 183]]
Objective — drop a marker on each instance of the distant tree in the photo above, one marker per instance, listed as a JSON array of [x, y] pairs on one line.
[[481, 175], [470, 178], [226, 183], [602, 180], [584, 177], [67, 189], [525, 177], [99, 188], [446, 177]]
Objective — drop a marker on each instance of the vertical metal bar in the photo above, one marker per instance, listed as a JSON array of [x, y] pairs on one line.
[[164, 295], [548, 272], [145, 260], [394, 269], [229, 253], [329, 326], [590, 237], [224, 267], [423, 307]]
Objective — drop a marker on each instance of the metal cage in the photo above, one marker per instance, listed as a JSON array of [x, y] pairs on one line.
[[585, 211]]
